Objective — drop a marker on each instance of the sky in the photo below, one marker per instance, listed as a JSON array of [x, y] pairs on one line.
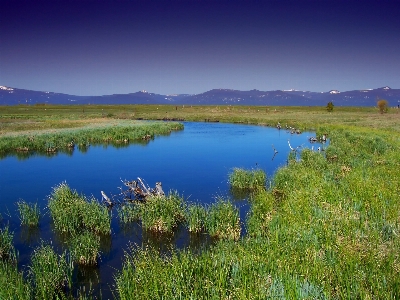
[[84, 47]]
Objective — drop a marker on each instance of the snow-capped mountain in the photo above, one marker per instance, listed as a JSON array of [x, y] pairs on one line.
[[365, 97]]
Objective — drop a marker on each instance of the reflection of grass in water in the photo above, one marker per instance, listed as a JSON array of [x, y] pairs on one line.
[[87, 277], [30, 235]]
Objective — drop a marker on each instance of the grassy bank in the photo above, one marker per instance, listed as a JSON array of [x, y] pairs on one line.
[[327, 229], [115, 132]]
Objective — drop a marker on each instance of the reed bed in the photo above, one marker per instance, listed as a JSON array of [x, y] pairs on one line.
[[249, 180], [66, 140], [29, 213], [223, 220], [51, 274], [85, 248]]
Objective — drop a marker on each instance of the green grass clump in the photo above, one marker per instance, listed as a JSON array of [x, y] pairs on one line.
[[12, 282], [85, 248], [162, 213], [130, 212], [66, 207], [223, 220], [29, 213], [6, 245], [50, 273], [72, 212], [250, 180], [96, 217], [195, 216]]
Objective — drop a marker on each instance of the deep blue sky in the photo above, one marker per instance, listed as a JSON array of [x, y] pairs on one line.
[[106, 47]]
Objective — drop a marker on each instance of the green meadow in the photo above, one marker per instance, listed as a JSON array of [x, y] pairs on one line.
[[326, 226]]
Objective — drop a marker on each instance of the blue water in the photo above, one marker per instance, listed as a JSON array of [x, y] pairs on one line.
[[195, 162]]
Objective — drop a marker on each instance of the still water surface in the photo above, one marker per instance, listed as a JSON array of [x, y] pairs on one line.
[[195, 162]]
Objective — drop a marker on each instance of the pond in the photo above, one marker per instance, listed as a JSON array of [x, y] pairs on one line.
[[195, 162]]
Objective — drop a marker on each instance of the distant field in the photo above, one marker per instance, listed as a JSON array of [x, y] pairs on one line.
[[22, 118]]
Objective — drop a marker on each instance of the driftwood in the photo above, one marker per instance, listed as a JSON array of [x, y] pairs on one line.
[[138, 190], [106, 199], [135, 190]]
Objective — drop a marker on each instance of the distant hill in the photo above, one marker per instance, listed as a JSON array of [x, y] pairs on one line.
[[14, 96]]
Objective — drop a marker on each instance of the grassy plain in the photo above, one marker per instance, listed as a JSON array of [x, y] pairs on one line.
[[327, 228], [29, 118]]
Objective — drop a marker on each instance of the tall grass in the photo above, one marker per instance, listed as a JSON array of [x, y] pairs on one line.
[[96, 217], [66, 207], [6, 245], [223, 220], [162, 213], [72, 212], [29, 213], [195, 216], [130, 212], [12, 283], [250, 180], [85, 248], [51, 274]]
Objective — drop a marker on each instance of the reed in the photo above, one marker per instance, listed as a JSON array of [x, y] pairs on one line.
[[96, 217], [85, 248], [223, 220], [50, 273], [250, 180], [66, 207], [12, 283], [29, 213], [72, 212], [162, 213], [130, 212], [6, 245], [195, 216]]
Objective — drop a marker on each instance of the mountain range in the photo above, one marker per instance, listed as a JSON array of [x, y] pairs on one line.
[[368, 97]]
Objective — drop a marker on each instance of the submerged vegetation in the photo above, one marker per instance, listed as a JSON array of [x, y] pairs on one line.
[[327, 226]]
